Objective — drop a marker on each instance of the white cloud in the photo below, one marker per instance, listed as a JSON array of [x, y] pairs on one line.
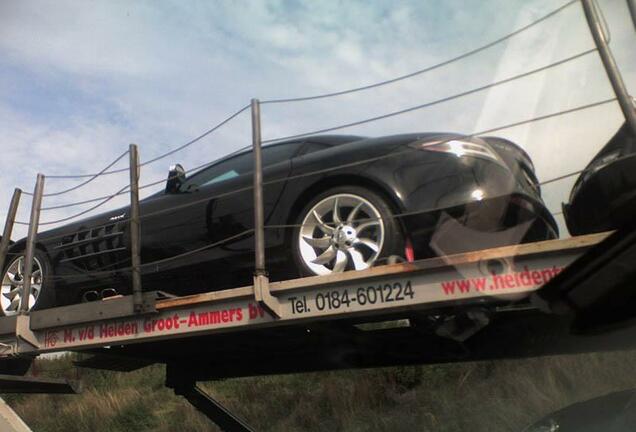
[[82, 80]]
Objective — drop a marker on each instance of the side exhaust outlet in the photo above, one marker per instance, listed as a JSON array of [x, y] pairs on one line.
[[90, 296], [108, 292]]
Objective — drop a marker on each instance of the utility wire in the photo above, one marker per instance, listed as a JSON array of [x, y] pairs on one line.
[[199, 138], [161, 261], [483, 132], [236, 236], [145, 186], [396, 113], [435, 102], [243, 234], [207, 164], [123, 191], [562, 177], [427, 69], [108, 198], [230, 238], [368, 160], [283, 226], [338, 93], [155, 159], [92, 177], [105, 172]]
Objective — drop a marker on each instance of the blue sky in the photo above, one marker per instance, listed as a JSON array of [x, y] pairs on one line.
[[79, 81]]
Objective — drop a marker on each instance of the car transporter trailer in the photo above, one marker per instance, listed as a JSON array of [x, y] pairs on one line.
[[551, 297], [472, 306]]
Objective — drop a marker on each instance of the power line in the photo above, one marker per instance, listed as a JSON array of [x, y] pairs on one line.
[[200, 137], [248, 231], [435, 102], [92, 177], [430, 68], [368, 160], [427, 69], [326, 95], [145, 186], [239, 235], [562, 177], [85, 175], [164, 260], [233, 237], [108, 198], [155, 159], [474, 134], [73, 204]]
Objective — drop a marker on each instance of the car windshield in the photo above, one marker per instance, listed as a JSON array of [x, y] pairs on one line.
[[240, 164]]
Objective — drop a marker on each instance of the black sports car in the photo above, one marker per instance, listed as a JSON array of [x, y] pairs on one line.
[[604, 196], [332, 203]]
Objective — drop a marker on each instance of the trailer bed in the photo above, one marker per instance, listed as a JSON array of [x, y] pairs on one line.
[[500, 276]]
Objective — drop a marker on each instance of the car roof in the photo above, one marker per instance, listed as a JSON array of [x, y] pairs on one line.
[[330, 139], [320, 139]]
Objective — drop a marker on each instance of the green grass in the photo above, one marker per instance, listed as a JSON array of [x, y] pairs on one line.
[[484, 396]]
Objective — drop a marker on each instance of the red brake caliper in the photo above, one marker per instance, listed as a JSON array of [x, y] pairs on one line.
[[408, 250]]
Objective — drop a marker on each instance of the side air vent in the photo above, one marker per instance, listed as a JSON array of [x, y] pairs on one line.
[[95, 248]]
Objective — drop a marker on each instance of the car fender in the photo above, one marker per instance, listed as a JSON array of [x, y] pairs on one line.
[[295, 204]]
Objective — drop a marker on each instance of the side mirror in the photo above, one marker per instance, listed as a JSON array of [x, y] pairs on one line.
[[176, 177]]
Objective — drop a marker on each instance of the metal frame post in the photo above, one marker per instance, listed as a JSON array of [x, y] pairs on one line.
[[631, 5], [135, 230], [259, 219], [212, 409], [30, 243], [184, 384], [261, 281], [623, 97], [8, 226]]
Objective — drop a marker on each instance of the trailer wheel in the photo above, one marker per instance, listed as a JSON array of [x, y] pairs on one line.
[[42, 293], [344, 228]]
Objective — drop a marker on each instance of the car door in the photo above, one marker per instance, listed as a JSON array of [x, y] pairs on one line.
[[212, 207]]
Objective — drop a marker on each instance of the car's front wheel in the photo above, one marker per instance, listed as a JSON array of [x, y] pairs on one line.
[[344, 228], [41, 294]]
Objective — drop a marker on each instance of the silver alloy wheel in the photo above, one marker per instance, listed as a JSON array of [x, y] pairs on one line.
[[12, 285], [341, 232]]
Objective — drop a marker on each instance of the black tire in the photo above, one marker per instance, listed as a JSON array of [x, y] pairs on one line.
[[46, 298], [393, 237]]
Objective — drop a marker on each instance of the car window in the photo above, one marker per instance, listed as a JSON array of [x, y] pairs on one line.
[[241, 164], [224, 170], [311, 147], [279, 152], [225, 176]]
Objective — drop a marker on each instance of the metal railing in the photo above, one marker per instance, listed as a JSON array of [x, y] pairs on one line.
[[8, 226], [261, 281]]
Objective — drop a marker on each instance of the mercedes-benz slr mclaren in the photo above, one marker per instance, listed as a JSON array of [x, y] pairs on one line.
[[331, 204]]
